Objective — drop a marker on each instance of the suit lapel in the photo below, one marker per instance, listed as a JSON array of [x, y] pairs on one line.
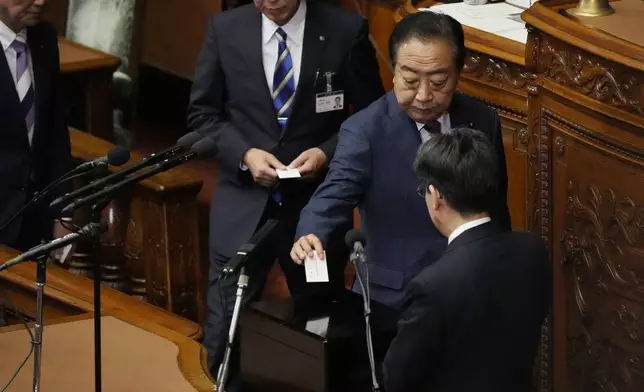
[[10, 102], [251, 47], [314, 46], [458, 116], [402, 131], [10, 99], [40, 79]]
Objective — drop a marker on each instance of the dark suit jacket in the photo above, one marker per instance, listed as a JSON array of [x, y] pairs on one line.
[[472, 320], [373, 169], [231, 101], [49, 156]]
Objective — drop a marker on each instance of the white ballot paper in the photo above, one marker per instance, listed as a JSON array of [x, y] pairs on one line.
[[319, 326], [288, 173], [315, 269]]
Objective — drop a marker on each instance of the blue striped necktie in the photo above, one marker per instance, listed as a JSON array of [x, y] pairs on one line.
[[24, 86], [283, 81]]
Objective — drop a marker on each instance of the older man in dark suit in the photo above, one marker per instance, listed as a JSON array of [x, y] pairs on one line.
[[472, 320], [372, 166], [34, 139], [265, 89]]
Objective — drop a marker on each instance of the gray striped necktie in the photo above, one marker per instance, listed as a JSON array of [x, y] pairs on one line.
[[24, 86]]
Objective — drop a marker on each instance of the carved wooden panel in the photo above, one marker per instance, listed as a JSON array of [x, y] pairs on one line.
[[595, 200], [590, 75], [515, 142], [496, 73]]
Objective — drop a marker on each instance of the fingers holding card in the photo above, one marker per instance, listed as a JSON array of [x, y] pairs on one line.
[[315, 269]]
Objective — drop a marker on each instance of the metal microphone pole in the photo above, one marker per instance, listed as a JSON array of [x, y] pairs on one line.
[[358, 256], [222, 374], [39, 252], [41, 274], [96, 218]]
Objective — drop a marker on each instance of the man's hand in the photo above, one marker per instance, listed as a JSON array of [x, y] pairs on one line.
[[61, 255], [305, 246], [309, 162], [262, 166]]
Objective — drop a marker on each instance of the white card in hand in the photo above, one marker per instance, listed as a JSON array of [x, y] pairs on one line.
[[288, 173], [319, 326], [315, 269]]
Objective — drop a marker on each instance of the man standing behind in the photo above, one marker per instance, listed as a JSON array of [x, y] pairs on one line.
[[472, 320], [372, 166], [265, 88], [34, 138]]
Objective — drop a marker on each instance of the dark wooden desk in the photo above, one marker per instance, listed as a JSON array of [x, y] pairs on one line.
[[95, 68]]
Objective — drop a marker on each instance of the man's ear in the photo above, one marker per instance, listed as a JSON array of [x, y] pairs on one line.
[[435, 192]]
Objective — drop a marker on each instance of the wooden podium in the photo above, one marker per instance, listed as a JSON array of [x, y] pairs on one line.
[[144, 348]]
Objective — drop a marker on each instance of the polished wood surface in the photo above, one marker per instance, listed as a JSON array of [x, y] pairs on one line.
[[68, 294], [137, 355], [152, 248], [94, 69], [75, 57]]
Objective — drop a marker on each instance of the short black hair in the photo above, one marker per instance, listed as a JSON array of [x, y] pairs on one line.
[[463, 166], [427, 25]]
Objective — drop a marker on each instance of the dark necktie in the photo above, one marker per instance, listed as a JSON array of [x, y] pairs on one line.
[[433, 127]]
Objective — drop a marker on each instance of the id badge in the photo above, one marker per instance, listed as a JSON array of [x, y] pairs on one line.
[[329, 101]]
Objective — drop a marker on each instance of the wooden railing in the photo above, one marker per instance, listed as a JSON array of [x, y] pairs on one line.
[[151, 249]]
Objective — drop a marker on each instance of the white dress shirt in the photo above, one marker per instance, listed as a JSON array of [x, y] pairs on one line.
[[294, 30], [445, 123], [466, 226], [7, 36]]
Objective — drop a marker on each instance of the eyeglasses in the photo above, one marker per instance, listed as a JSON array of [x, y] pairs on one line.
[[422, 190]]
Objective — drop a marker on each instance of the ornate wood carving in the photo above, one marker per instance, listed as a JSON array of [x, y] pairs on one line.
[[606, 82], [602, 256], [496, 72]]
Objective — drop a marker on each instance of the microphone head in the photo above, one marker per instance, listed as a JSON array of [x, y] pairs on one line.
[[205, 147], [118, 156], [354, 236], [186, 141]]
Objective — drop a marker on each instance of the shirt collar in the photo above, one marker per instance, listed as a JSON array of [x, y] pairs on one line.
[[466, 226], [7, 36], [443, 120], [294, 28]]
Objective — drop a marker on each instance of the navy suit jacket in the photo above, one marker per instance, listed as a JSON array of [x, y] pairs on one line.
[[27, 168], [230, 100], [372, 169]]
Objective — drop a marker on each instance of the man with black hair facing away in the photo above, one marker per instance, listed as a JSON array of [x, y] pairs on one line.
[[471, 321]]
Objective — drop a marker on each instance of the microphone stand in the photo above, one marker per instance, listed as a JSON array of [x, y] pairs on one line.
[[358, 257], [245, 253], [222, 374], [39, 252], [96, 218]]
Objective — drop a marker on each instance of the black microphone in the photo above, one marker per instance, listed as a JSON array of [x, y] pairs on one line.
[[250, 248], [184, 143], [356, 241], [91, 229], [117, 156], [204, 147]]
